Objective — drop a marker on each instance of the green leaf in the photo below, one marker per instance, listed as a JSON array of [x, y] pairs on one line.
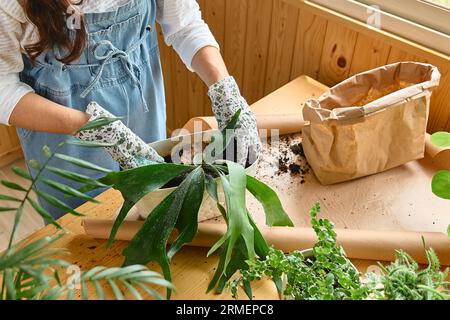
[[440, 184], [238, 223], [13, 186], [231, 125], [21, 173], [57, 203], [149, 244], [220, 141], [4, 209], [249, 240], [239, 261], [448, 230], [98, 123], [68, 190], [44, 213], [134, 184], [17, 218], [89, 144], [441, 139], [9, 198], [275, 213], [9, 282], [99, 290], [118, 294], [222, 274], [34, 164], [187, 223], [81, 163], [47, 152], [211, 187], [132, 290], [150, 291], [73, 176]]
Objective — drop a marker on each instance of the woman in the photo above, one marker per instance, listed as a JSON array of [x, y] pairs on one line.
[[56, 57]]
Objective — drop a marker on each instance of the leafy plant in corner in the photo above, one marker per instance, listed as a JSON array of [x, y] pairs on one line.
[[441, 180], [404, 280], [179, 210], [32, 271], [440, 185]]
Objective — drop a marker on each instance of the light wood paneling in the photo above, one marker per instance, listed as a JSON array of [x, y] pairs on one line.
[[282, 42], [10, 149], [257, 48], [235, 37], [337, 54], [311, 31], [369, 53]]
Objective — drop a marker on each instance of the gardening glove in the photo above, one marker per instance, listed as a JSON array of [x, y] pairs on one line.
[[226, 101], [129, 150]]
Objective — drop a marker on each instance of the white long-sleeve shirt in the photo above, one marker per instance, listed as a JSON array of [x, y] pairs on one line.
[[181, 22]]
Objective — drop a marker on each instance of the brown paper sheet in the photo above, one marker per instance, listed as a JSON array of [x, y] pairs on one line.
[[358, 244], [285, 123]]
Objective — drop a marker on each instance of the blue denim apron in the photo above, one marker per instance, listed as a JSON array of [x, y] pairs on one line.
[[120, 69]]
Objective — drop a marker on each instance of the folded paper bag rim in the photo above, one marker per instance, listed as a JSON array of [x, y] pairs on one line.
[[369, 123], [331, 105]]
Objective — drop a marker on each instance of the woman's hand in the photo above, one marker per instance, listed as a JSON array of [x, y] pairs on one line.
[[129, 150], [226, 101]]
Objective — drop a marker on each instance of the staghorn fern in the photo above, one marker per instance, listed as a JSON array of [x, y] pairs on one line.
[[32, 271], [180, 209]]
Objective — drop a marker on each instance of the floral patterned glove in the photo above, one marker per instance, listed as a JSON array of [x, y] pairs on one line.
[[129, 150], [226, 101]]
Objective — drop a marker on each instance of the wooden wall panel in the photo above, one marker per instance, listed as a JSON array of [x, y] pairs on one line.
[[337, 54], [9, 145], [309, 42], [369, 53], [256, 48], [283, 33], [235, 37]]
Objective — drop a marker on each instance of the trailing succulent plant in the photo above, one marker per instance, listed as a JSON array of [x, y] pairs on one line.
[[179, 210], [33, 271]]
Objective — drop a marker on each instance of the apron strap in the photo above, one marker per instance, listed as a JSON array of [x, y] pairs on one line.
[[111, 55]]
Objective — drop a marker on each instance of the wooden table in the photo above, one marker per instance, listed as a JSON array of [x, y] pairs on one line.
[[362, 204]]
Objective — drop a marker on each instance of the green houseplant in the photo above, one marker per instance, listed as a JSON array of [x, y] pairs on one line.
[[33, 271], [441, 180], [325, 273], [179, 210], [440, 185]]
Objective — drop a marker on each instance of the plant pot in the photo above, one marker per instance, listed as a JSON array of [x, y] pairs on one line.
[[208, 209], [307, 253]]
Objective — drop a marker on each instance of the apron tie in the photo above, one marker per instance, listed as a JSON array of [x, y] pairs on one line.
[[113, 54]]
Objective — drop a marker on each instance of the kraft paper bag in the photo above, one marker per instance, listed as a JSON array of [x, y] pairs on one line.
[[371, 122]]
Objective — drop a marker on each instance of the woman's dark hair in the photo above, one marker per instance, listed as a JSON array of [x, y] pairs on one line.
[[58, 25]]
